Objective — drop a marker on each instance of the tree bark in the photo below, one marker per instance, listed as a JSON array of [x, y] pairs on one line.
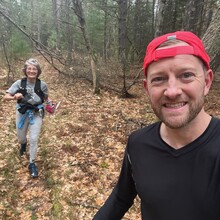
[[122, 34], [56, 14], [69, 34], [211, 40], [193, 16], [93, 58]]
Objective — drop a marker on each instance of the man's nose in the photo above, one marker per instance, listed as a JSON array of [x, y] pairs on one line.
[[173, 89]]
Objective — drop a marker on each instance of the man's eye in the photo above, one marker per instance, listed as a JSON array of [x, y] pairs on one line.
[[187, 75], [158, 79]]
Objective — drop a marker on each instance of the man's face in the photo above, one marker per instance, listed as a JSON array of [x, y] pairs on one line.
[[176, 87]]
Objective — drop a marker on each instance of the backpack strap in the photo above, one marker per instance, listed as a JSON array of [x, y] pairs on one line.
[[22, 88], [23, 83], [38, 90]]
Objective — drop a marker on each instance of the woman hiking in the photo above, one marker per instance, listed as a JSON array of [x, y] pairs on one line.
[[30, 93]]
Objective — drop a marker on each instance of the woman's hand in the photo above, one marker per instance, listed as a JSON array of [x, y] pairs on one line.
[[18, 96]]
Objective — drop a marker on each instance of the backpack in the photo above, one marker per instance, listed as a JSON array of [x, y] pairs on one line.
[[37, 89]]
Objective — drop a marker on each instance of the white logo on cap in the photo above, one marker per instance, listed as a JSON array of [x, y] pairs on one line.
[[171, 37]]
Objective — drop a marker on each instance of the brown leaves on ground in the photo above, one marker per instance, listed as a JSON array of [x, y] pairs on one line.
[[80, 151]]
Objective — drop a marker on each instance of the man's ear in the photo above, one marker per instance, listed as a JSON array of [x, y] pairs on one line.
[[209, 76], [145, 86]]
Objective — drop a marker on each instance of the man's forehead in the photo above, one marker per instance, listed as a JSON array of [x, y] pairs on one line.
[[178, 63]]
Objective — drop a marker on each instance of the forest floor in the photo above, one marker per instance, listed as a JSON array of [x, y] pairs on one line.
[[80, 150]]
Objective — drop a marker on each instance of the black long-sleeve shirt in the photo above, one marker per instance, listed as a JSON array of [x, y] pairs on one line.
[[172, 184]]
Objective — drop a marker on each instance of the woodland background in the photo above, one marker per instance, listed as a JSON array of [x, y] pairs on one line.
[[78, 37], [91, 54]]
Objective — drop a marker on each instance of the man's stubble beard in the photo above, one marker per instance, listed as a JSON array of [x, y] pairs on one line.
[[193, 111]]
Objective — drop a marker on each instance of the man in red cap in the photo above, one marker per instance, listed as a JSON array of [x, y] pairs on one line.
[[173, 165]]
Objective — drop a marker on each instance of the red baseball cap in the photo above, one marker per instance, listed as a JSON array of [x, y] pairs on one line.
[[195, 47]]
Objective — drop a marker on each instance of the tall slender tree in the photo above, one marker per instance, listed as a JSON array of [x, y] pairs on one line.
[[122, 34], [78, 9], [211, 40], [57, 14], [69, 32]]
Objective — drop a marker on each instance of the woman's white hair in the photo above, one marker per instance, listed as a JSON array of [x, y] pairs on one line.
[[33, 62]]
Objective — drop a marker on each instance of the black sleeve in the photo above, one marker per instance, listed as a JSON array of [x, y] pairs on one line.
[[122, 196]]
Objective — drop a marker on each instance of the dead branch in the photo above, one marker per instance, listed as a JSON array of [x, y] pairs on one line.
[[41, 48], [135, 79]]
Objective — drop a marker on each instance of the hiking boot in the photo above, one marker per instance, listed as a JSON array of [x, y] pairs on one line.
[[33, 170], [23, 149]]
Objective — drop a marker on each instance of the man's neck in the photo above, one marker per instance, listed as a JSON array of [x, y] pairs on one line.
[[178, 138]]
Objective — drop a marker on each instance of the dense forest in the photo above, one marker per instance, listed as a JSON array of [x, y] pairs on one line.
[[79, 37]]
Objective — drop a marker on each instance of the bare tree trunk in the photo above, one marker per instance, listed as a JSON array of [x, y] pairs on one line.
[[8, 63], [159, 17], [211, 40], [69, 33], [81, 18], [32, 22], [35, 24], [208, 12], [153, 17], [105, 30], [193, 16], [136, 28], [123, 41], [56, 14]]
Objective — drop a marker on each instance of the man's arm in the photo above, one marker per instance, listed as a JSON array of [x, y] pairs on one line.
[[122, 196]]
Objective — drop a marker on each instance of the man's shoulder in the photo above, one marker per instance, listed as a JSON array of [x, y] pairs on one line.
[[215, 123], [147, 130], [139, 139], [214, 118]]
